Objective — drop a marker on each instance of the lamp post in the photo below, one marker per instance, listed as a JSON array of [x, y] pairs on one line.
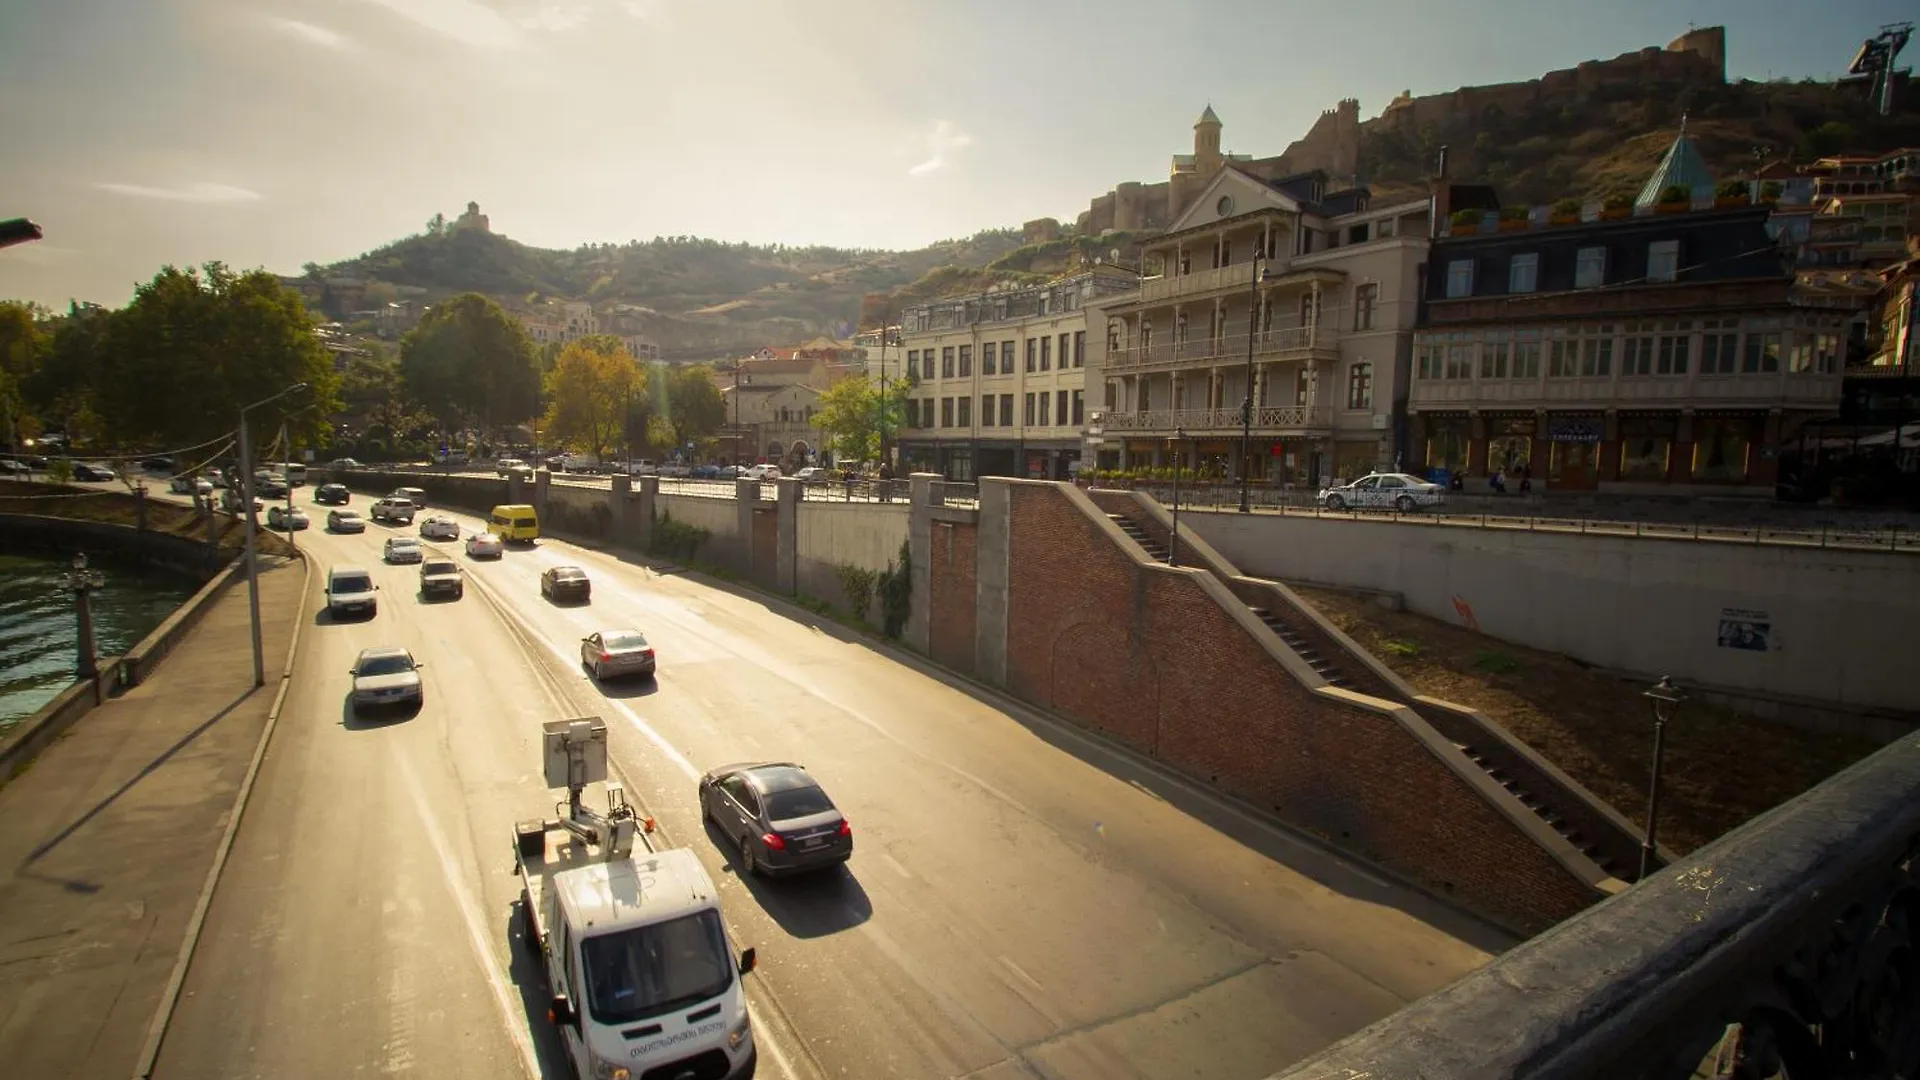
[[1246, 403], [1665, 697], [1173, 538], [82, 582], [247, 516]]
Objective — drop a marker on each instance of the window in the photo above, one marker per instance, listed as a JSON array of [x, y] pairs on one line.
[[1720, 346], [963, 416], [1301, 383], [1459, 359], [1426, 360], [946, 412], [987, 357], [1526, 354], [1046, 353], [1066, 346], [1360, 386], [1646, 446], [1493, 356], [1762, 353], [1079, 349], [1060, 407], [1033, 354], [1006, 358], [1590, 268], [966, 361], [1721, 446], [1363, 300], [1523, 273], [1676, 345], [1663, 260], [1046, 399], [1460, 277], [1636, 357], [913, 361], [1596, 354], [926, 364], [1563, 355], [946, 362], [1027, 415], [1006, 410], [1079, 408], [986, 410]]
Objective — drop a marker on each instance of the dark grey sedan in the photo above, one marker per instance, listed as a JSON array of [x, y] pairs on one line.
[[611, 653], [778, 817]]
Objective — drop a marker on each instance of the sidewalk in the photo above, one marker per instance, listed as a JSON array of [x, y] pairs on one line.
[[106, 840]]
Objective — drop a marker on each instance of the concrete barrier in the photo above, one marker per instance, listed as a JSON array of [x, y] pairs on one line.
[[21, 745], [140, 660]]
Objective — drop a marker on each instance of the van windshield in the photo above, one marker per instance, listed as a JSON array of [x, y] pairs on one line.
[[650, 970], [352, 583]]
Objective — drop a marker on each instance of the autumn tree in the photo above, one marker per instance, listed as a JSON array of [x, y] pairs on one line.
[[689, 405], [593, 385], [470, 363], [853, 413]]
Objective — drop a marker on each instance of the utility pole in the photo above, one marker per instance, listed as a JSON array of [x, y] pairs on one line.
[[247, 514], [287, 446], [886, 321]]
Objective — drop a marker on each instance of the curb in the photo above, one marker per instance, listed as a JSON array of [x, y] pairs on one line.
[[170, 997]]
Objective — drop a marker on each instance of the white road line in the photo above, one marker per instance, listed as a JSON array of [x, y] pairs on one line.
[[513, 1016], [894, 865]]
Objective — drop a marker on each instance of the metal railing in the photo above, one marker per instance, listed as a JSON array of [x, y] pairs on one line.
[[873, 491], [1266, 419], [1295, 340]]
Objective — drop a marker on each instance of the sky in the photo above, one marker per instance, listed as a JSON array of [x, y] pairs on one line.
[[140, 133]]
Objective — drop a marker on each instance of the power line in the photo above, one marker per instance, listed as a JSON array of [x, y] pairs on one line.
[[160, 453]]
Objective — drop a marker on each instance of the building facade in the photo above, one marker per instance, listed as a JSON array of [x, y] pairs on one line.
[[999, 385], [1653, 353], [1312, 291]]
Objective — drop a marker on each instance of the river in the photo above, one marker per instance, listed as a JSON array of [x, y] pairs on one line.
[[38, 628]]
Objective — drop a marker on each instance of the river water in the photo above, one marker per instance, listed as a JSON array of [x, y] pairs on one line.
[[38, 627]]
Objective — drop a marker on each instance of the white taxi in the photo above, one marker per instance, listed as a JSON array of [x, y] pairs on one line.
[[1384, 491]]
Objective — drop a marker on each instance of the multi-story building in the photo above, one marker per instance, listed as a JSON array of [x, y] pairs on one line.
[[1664, 351], [999, 378], [1312, 291]]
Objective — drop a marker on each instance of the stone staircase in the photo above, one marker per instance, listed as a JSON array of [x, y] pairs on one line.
[[1155, 550], [1547, 813], [1296, 641]]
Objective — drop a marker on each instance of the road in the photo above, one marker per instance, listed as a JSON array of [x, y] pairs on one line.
[[1021, 902]]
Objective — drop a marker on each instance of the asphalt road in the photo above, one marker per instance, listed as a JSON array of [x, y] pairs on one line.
[[1021, 902]]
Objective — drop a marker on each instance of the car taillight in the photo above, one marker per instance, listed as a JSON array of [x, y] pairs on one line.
[[648, 653], [775, 841], [606, 658], [846, 827]]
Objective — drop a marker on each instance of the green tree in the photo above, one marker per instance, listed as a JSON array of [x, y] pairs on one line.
[[852, 413], [60, 393], [690, 404], [589, 391], [1831, 138], [471, 363], [24, 344], [195, 346]]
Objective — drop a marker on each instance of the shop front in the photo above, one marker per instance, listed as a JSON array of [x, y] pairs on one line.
[[1574, 441]]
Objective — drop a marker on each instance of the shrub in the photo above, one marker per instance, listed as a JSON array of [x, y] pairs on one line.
[[857, 584], [896, 593], [60, 471], [1568, 207], [1463, 219], [1731, 189], [1770, 191], [1675, 193], [1617, 202], [1515, 213], [676, 539]]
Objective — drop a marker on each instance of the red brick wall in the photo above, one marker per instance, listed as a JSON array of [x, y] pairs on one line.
[[766, 547], [951, 614], [1151, 659]]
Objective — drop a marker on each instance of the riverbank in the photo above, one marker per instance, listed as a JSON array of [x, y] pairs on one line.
[[107, 506]]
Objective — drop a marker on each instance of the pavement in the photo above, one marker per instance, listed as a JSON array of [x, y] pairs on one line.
[[1023, 901], [107, 839]]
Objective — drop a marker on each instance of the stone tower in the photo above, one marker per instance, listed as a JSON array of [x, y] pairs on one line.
[[1206, 145]]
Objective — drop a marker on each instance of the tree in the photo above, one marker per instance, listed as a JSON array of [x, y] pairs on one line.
[[1831, 138], [23, 348], [437, 225], [852, 413], [589, 392], [195, 346], [689, 403], [60, 393], [471, 363]]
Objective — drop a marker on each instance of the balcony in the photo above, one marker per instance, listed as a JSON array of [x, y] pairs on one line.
[[1289, 343], [1267, 420], [1200, 281], [1701, 391]]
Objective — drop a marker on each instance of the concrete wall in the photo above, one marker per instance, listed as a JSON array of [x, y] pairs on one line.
[[721, 517], [1824, 617], [830, 535]]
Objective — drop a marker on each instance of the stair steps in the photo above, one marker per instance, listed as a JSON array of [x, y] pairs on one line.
[[1156, 550], [1552, 817]]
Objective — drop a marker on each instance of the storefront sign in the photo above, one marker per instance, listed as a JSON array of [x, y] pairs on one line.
[[1574, 429]]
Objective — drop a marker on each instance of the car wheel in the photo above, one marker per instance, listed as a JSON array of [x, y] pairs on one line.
[[749, 866], [1404, 504], [596, 671], [1335, 502]]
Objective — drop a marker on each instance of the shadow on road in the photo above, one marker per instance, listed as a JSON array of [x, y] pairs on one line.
[[374, 718], [624, 689], [806, 905], [530, 979]]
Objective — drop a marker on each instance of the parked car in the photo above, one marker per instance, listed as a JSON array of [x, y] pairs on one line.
[[344, 463], [761, 472], [332, 495], [608, 654], [440, 528], [505, 466], [346, 521], [566, 583], [813, 474], [1380, 491], [484, 545], [290, 518], [10, 467], [778, 817], [350, 591], [91, 473], [440, 576], [404, 549], [385, 678], [394, 511]]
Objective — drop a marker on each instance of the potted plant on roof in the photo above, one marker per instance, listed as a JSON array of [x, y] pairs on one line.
[[1616, 207], [1731, 193], [1674, 199], [1465, 221], [1515, 218], [1770, 192], [1566, 212]]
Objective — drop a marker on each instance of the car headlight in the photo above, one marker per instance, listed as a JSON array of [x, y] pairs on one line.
[[741, 1030], [608, 1070]]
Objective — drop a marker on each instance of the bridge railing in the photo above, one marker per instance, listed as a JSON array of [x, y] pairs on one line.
[[1789, 947]]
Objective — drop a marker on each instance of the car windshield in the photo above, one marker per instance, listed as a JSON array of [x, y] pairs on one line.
[[620, 642], [401, 542], [352, 583], [797, 803], [439, 568], [567, 575], [346, 515], [385, 665], [650, 970]]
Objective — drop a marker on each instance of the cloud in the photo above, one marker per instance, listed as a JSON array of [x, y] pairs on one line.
[[465, 21], [200, 191], [642, 9], [309, 33], [555, 17], [940, 145]]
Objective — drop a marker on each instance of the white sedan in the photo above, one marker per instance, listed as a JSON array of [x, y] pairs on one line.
[[404, 549], [290, 519], [484, 545], [440, 528], [1382, 491]]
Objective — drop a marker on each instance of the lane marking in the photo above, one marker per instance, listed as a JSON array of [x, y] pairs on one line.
[[894, 865], [504, 997]]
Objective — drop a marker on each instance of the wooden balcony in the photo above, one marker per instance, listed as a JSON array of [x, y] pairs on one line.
[[1290, 343], [1268, 420]]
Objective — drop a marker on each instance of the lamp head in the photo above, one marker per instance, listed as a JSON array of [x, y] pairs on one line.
[[80, 560]]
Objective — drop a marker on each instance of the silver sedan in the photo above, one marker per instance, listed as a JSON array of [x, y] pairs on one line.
[[387, 678], [611, 653]]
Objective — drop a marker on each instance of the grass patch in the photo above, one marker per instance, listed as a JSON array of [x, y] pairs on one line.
[[1723, 768]]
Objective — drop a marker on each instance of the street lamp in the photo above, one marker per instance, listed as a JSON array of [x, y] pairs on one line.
[[1173, 539], [1665, 697], [1246, 403], [83, 582], [246, 512]]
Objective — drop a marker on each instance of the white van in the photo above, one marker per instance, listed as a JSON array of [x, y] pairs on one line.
[[295, 473]]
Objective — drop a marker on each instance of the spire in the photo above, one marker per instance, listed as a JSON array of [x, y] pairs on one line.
[[1207, 117], [1682, 166]]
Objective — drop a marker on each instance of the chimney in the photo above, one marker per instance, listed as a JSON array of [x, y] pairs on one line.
[[1439, 199]]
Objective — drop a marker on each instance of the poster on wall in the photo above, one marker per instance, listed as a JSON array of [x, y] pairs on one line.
[[1746, 630]]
